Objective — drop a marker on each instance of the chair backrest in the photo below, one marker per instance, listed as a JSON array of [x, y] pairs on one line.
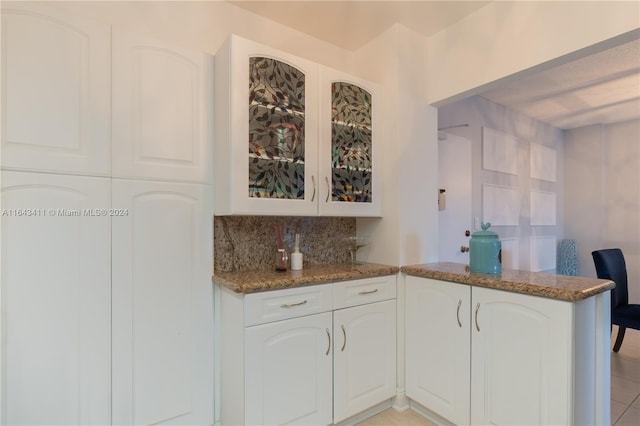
[[610, 265]]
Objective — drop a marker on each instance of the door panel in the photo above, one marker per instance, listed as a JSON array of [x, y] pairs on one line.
[[288, 367], [364, 357], [454, 171], [521, 359], [162, 304], [438, 346], [56, 92], [56, 275], [161, 96]]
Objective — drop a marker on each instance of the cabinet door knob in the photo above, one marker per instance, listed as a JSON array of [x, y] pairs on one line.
[[328, 337], [458, 313], [477, 309], [344, 333]]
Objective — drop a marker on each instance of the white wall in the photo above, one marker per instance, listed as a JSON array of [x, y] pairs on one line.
[[408, 231], [478, 112], [602, 194], [509, 39]]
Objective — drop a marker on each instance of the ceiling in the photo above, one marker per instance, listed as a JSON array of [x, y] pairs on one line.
[[602, 88]]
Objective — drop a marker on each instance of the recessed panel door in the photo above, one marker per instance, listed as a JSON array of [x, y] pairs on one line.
[[454, 184]]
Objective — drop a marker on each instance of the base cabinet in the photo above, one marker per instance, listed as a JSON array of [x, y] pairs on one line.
[[438, 333], [288, 371], [312, 355], [364, 357], [521, 359], [484, 356]]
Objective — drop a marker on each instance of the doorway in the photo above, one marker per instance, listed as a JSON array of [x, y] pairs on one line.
[[454, 178]]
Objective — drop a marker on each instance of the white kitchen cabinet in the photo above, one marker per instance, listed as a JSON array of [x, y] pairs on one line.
[[285, 360], [271, 156], [106, 282], [349, 159], [438, 333], [162, 103], [364, 355], [288, 371], [56, 92], [162, 303], [521, 368], [56, 313], [266, 143], [510, 358]]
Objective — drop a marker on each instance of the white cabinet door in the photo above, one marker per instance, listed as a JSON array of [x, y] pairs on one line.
[[349, 168], [288, 366], [162, 109], [56, 275], [438, 346], [266, 148], [56, 91], [162, 303], [364, 357], [521, 359]]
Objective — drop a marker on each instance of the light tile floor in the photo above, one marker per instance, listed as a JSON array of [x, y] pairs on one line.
[[625, 380], [625, 390]]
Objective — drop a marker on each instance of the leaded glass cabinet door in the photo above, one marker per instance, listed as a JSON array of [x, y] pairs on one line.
[[266, 123], [349, 167]]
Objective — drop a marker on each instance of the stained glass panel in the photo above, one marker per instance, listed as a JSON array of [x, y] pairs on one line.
[[276, 129], [351, 143]]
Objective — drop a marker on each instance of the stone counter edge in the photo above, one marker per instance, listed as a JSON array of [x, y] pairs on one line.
[[550, 286], [256, 281]]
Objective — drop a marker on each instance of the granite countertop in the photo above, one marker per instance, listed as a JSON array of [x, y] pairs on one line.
[[254, 281], [561, 287]]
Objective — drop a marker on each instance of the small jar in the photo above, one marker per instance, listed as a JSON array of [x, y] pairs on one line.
[[280, 260]]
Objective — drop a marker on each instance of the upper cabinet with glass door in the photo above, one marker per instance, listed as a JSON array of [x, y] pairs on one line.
[[266, 131], [349, 157], [271, 156]]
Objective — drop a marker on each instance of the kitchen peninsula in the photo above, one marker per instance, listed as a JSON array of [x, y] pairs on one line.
[[511, 348]]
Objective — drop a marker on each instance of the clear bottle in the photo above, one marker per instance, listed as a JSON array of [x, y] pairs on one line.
[[280, 260]]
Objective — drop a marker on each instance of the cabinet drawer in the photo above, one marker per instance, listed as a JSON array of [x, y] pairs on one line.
[[268, 306], [359, 292]]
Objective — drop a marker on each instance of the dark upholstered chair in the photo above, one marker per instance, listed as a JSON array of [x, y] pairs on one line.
[[610, 265]]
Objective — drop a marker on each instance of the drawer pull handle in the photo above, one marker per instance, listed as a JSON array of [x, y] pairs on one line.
[[328, 347], [458, 313], [477, 309], [291, 305], [344, 333], [313, 179], [326, 179], [362, 293]]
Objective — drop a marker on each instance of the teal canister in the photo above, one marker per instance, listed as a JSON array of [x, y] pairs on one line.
[[485, 251]]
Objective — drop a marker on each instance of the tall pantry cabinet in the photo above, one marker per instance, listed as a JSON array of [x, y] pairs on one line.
[[107, 310]]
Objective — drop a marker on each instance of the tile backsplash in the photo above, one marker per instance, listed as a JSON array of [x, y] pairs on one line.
[[246, 243]]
